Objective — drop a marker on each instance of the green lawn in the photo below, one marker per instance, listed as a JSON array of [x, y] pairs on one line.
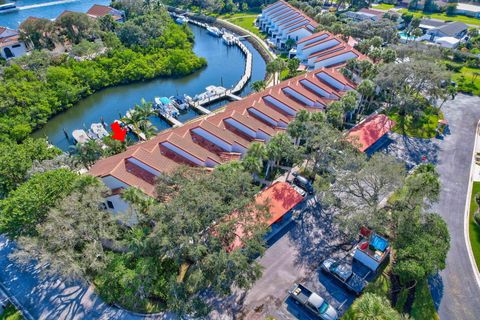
[[10, 313], [425, 127], [467, 80], [473, 228], [244, 20], [423, 307], [383, 6], [443, 16]]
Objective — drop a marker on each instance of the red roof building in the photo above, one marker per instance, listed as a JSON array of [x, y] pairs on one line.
[[372, 129], [224, 135], [97, 11], [278, 199]]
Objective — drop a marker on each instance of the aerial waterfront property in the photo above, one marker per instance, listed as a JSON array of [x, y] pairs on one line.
[[239, 160]]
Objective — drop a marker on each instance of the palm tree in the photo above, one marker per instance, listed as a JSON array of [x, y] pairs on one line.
[[87, 153], [258, 86], [370, 306], [367, 90], [254, 158]]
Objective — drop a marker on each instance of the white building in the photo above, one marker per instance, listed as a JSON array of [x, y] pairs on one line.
[[10, 44], [322, 49], [281, 21], [468, 10]]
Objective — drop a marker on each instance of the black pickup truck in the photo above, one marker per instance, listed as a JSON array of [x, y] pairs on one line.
[[343, 273]]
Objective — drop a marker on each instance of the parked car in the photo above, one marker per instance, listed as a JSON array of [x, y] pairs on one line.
[[313, 302], [343, 273], [304, 183]]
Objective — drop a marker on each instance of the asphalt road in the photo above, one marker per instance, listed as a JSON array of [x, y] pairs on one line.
[[455, 289], [51, 298]]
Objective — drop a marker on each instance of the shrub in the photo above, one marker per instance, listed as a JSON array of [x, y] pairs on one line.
[[476, 217]]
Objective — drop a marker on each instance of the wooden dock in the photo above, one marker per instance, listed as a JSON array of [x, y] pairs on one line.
[[199, 108], [174, 122], [228, 93]]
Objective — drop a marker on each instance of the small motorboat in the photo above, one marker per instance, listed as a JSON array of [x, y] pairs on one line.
[[180, 102], [214, 31], [229, 39], [8, 7], [181, 20], [165, 107], [80, 136], [99, 130]]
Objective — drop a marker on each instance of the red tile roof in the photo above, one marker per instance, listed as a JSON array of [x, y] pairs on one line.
[[8, 37], [366, 133], [279, 198], [158, 157], [99, 10]]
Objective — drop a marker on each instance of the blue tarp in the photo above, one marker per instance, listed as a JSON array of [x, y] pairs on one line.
[[378, 243]]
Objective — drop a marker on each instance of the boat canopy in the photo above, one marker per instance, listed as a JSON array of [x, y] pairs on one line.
[[165, 100]]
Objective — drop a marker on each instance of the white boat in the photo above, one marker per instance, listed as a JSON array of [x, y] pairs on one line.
[[80, 136], [181, 20], [229, 39], [214, 31], [165, 106], [99, 130], [8, 7], [179, 102]]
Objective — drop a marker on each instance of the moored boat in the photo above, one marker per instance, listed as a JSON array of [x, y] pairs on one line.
[[98, 130], [179, 102], [80, 136], [181, 20], [165, 106], [229, 39], [214, 31], [8, 7]]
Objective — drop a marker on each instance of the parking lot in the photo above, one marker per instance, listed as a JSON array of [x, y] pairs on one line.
[[295, 256]]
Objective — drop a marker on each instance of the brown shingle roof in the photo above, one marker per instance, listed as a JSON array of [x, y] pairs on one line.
[[152, 154]]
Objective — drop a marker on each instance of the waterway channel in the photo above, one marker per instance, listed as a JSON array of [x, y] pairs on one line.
[[225, 67]]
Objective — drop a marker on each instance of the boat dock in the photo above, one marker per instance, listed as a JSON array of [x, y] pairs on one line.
[[228, 93], [174, 122], [199, 108]]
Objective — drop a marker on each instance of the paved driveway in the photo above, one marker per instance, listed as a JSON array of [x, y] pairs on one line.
[[455, 290], [51, 298], [295, 256]]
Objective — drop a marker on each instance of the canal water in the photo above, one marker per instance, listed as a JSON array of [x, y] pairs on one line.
[[13, 19], [225, 67]]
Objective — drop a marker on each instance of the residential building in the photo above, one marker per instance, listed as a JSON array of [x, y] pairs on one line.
[[282, 21], [450, 29], [365, 14], [468, 9], [370, 134], [322, 49], [10, 44], [222, 136], [98, 11], [280, 199]]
